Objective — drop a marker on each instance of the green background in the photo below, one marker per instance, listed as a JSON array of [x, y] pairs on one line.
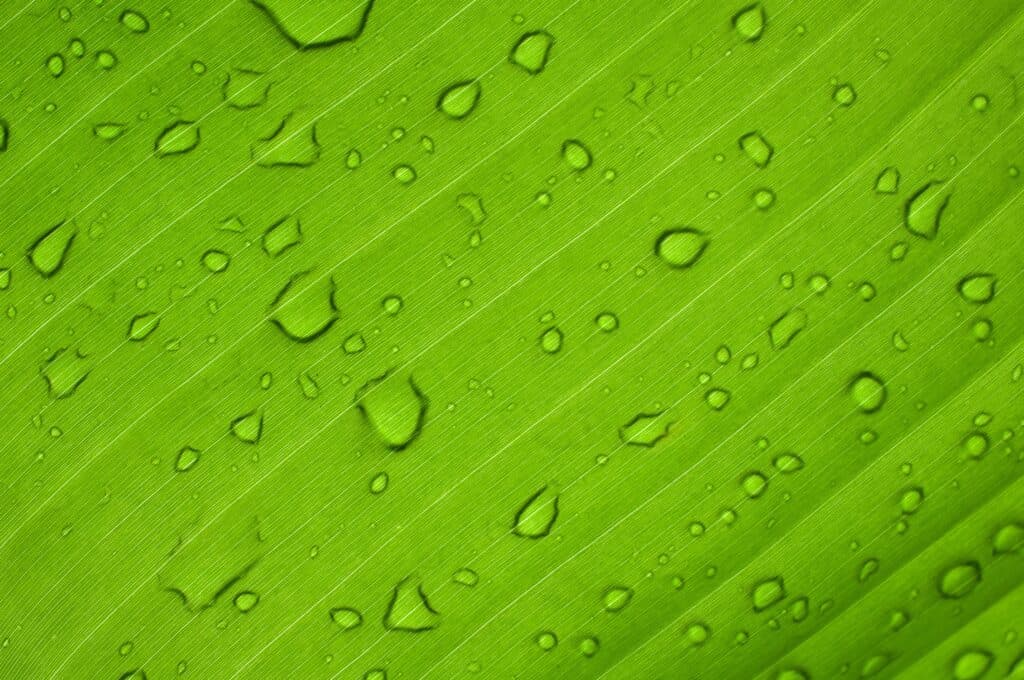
[[114, 561]]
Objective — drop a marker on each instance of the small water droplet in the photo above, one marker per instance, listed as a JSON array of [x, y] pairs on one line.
[[786, 327], [178, 138], [551, 340], [282, 235], [844, 95], [754, 484], [645, 429], [922, 213], [346, 618], [246, 600], [868, 391], [134, 21], [187, 459], [978, 288], [142, 326], [576, 155], [888, 181], [547, 640], [216, 261]]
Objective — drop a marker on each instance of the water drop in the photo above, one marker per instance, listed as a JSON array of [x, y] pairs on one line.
[[606, 322], [291, 144], [379, 483], [767, 592], [764, 198], [466, 577], [844, 95], [537, 515], [697, 634], [547, 640], [980, 102], [911, 500], [757, 148], [754, 484], [245, 89], [977, 289], [55, 65], [317, 25], [749, 22], [971, 664], [354, 344], [409, 609], [1008, 539], [187, 459], [645, 429], [717, 398], [959, 580], [302, 310], [106, 59], [394, 407], [459, 100], [922, 213], [681, 247], [48, 252], [346, 618], [617, 597], [867, 569], [473, 205], [134, 21], [785, 328], [405, 174], [142, 326], [282, 235], [788, 463], [576, 155], [109, 131], [589, 646], [308, 385], [216, 261], [975, 445], [888, 181], [868, 391], [246, 600], [177, 138], [64, 371], [531, 51], [551, 340], [248, 427]]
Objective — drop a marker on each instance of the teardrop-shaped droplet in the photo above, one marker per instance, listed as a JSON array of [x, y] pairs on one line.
[[48, 253], [977, 289], [767, 592], [749, 22], [142, 326], [617, 597], [248, 427], [681, 247], [537, 515], [459, 100], [347, 618], [785, 328], [177, 138]]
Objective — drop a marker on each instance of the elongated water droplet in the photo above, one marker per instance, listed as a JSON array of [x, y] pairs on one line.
[[551, 340], [347, 618], [142, 326], [911, 500], [785, 328], [681, 247], [757, 148], [459, 100], [1008, 539], [767, 592], [973, 663], [187, 459], [394, 407], [134, 21], [788, 463], [959, 580], [177, 138], [977, 289], [466, 577], [282, 235], [409, 609], [537, 515], [48, 252], [531, 52], [617, 597], [645, 429], [246, 601]]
